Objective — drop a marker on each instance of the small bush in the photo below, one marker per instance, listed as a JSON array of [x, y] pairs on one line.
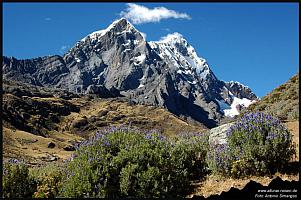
[[192, 149], [218, 159], [123, 162], [49, 181], [256, 145], [16, 180]]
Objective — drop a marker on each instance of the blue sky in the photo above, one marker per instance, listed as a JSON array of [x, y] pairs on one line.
[[256, 44]]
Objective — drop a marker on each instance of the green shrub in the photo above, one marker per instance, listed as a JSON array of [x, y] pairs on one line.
[[16, 180], [191, 149], [218, 159], [256, 145], [123, 162], [49, 181]]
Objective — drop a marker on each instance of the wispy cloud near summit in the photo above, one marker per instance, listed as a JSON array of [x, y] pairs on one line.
[[64, 48], [138, 14]]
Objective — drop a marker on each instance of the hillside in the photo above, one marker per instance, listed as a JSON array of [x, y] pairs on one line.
[[282, 102], [33, 117]]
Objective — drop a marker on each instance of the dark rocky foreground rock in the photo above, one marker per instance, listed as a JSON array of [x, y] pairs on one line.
[[277, 189], [118, 60]]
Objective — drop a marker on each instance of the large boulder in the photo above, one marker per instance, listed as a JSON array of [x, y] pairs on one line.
[[218, 135]]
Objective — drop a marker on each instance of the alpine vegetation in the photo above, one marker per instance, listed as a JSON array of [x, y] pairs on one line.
[[123, 162], [17, 182], [257, 144]]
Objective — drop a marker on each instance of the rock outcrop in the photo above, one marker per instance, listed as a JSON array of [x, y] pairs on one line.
[[218, 135]]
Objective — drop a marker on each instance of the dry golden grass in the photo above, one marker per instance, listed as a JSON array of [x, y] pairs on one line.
[[33, 148], [144, 117], [293, 127], [282, 102]]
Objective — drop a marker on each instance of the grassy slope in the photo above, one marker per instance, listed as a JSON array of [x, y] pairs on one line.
[[282, 102], [98, 113], [33, 148]]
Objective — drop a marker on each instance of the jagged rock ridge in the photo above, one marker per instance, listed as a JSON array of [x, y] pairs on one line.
[[166, 73]]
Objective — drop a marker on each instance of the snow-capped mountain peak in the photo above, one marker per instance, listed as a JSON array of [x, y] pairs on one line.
[[237, 83], [118, 26], [167, 73], [175, 48]]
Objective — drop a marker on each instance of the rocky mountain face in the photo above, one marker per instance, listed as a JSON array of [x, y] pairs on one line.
[[239, 90], [119, 61]]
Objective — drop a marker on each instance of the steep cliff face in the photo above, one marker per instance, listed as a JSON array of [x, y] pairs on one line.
[[166, 73], [42, 71], [115, 57]]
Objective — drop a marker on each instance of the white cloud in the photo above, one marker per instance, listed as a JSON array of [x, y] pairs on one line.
[[63, 49], [140, 14], [171, 37]]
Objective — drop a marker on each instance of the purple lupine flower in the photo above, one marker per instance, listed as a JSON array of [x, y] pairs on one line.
[[14, 161], [271, 136], [106, 143], [161, 138], [148, 136]]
